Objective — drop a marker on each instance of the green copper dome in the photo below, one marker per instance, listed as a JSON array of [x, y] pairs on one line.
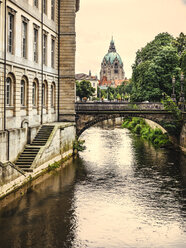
[[111, 56]]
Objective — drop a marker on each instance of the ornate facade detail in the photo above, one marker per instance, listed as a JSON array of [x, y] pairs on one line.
[[112, 65]]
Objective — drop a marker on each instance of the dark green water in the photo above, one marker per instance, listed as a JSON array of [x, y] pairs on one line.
[[119, 193]]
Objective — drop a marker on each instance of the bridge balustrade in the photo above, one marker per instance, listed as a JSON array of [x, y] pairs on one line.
[[116, 106]]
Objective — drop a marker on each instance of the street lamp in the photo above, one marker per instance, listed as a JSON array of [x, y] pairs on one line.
[[173, 96], [182, 95]]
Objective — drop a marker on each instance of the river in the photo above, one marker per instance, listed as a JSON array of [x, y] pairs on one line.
[[119, 193]]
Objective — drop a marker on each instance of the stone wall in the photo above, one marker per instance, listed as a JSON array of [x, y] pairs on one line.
[[12, 142], [183, 136], [67, 60], [60, 141], [59, 145], [7, 174]]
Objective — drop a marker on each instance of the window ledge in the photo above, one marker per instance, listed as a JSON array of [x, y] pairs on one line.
[[23, 107], [10, 107]]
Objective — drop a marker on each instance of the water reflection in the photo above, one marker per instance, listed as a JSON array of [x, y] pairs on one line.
[[120, 192]]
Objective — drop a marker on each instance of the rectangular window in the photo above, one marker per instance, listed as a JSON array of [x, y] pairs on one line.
[[24, 39], [45, 49], [10, 32], [35, 45], [52, 52], [52, 9], [45, 6], [36, 3]]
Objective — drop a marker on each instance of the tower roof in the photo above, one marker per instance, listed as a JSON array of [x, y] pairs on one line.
[[112, 46], [112, 54]]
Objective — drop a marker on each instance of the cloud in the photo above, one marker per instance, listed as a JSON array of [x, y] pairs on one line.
[[184, 1]]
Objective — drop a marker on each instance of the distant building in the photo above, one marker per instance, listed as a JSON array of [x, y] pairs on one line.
[[92, 79], [112, 72]]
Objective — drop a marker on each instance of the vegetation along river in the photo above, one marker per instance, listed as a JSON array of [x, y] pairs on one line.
[[119, 193]]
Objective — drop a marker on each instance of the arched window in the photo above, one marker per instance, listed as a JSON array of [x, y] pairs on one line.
[[53, 95], [34, 94], [10, 83], [45, 94], [9, 91], [24, 94]]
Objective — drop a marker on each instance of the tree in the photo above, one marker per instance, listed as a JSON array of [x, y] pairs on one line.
[[180, 43], [154, 67], [84, 89]]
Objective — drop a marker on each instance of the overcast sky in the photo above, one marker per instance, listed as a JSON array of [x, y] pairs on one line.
[[132, 23]]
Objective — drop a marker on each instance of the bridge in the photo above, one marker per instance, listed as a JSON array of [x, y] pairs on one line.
[[90, 113]]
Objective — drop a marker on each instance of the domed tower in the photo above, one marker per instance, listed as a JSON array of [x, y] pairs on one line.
[[112, 65]]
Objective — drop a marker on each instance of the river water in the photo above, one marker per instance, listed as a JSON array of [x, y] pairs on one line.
[[119, 193]]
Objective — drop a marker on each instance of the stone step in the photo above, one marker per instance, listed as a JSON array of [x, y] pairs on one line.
[[38, 142], [27, 169], [24, 166], [23, 163], [27, 155], [45, 132], [42, 135], [29, 152], [31, 148], [25, 160]]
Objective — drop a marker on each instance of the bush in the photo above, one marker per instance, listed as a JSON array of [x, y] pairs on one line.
[[139, 126], [137, 129]]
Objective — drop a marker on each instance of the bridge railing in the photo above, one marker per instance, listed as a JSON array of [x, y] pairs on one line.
[[117, 106]]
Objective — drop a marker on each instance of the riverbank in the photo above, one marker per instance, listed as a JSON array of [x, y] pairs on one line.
[[58, 149], [140, 127]]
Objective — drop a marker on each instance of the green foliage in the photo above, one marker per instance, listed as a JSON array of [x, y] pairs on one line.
[[139, 126], [133, 106], [78, 145], [180, 43], [171, 106], [120, 92], [173, 127], [53, 166], [84, 89], [118, 97], [154, 67]]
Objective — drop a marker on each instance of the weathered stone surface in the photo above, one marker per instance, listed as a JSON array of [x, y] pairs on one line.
[[183, 136]]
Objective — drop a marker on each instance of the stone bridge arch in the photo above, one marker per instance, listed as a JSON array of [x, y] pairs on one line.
[[85, 121]]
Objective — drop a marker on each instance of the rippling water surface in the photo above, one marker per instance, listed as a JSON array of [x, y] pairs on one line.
[[119, 193]]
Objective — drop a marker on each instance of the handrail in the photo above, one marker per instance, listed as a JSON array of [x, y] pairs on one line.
[[13, 166]]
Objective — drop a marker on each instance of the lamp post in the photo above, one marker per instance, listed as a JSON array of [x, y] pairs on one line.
[[173, 96], [182, 95]]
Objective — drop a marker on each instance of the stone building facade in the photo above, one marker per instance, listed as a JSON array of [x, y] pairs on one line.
[[112, 65], [37, 68]]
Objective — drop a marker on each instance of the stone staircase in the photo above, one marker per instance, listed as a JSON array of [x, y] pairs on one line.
[[27, 157]]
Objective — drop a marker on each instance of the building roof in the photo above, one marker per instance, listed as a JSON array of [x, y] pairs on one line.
[[109, 83], [83, 76], [112, 54]]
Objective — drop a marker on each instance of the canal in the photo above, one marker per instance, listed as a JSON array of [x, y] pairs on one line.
[[119, 193]]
